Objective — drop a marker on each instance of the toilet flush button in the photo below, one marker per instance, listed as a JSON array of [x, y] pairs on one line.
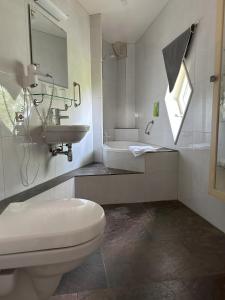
[[7, 281]]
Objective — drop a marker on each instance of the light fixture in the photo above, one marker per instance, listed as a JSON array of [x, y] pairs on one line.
[[52, 9]]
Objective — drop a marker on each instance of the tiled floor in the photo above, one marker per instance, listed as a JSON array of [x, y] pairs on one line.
[[152, 251]]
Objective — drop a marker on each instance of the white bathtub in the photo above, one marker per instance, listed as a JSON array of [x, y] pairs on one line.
[[116, 155]]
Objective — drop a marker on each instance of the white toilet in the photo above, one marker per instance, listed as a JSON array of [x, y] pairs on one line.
[[40, 241]]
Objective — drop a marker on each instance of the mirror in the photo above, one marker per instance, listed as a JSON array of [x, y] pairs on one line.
[[178, 100], [217, 168], [48, 48]]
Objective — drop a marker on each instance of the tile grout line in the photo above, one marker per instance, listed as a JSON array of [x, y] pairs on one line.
[[104, 265]]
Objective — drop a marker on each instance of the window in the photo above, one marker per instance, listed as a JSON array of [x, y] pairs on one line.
[[178, 100]]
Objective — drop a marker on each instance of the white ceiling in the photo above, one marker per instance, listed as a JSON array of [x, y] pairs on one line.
[[124, 20]]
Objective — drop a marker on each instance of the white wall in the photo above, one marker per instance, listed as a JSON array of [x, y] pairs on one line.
[[126, 90], [14, 55], [130, 86], [65, 190], [110, 90], [96, 79], [152, 84], [118, 90]]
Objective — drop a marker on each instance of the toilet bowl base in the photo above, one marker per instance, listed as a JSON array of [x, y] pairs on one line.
[[33, 285], [26, 289], [39, 282]]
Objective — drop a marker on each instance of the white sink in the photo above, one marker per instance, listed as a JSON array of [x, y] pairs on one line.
[[68, 134]]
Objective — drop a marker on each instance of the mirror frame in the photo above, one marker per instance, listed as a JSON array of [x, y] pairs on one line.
[[216, 101]]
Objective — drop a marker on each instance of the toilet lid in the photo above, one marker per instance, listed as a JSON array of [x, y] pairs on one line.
[[43, 225]]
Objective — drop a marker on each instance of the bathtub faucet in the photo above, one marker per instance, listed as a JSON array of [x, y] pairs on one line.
[[149, 127]]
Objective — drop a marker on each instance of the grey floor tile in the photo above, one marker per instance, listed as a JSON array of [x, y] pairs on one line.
[[153, 251], [65, 297], [172, 222], [205, 288], [135, 263], [126, 222], [208, 288], [90, 275], [105, 294], [154, 291], [210, 252]]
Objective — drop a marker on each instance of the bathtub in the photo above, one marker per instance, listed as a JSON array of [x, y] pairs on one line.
[[117, 156]]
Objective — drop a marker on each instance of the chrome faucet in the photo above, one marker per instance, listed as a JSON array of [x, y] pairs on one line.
[[55, 116]]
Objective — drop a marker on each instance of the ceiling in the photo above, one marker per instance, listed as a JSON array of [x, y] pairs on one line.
[[124, 20]]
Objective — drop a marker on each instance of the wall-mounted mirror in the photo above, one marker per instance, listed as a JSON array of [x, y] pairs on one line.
[[217, 168], [178, 100], [48, 47]]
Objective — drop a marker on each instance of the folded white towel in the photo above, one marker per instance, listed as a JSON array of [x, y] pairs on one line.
[[139, 150]]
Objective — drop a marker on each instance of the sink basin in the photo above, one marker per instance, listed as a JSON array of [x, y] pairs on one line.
[[68, 134]]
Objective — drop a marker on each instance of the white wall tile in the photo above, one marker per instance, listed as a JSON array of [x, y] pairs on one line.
[[13, 152], [19, 156], [97, 91], [65, 190], [129, 188], [127, 135], [161, 161], [42, 197], [118, 89]]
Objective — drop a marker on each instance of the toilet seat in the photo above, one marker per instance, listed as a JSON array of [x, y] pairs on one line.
[[32, 226], [50, 256]]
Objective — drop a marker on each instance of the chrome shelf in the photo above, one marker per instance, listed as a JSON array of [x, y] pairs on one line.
[[76, 102]]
